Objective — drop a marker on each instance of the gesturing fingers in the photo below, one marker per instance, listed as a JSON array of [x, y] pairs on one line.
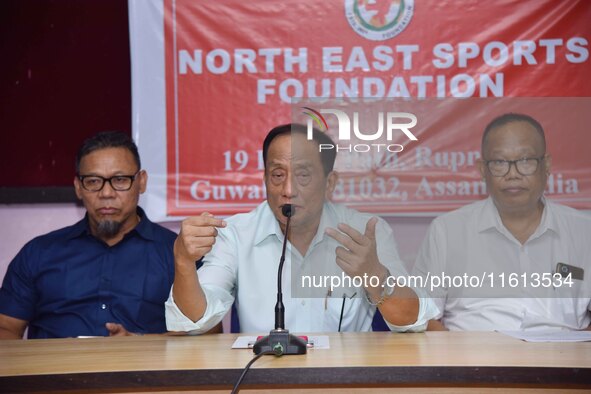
[[199, 231], [343, 238], [197, 236], [205, 220], [358, 252], [355, 235], [370, 229], [351, 238]]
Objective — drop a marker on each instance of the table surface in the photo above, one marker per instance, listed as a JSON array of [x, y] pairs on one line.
[[359, 358]]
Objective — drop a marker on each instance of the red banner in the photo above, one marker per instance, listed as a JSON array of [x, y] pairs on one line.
[[235, 69]]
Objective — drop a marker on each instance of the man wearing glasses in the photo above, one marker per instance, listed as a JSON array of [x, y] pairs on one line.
[[527, 253], [113, 269], [241, 256]]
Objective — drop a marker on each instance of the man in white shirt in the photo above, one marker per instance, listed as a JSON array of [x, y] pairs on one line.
[[242, 255], [519, 245]]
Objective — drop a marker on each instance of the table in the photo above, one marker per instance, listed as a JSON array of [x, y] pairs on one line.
[[423, 362]]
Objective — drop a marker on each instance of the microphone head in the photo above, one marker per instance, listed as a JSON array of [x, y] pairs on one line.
[[288, 210]]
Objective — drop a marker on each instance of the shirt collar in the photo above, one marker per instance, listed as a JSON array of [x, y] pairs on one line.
[[549, 222], [78, 229], [268, 225], [328, 219], [144, 228], [489, 218]]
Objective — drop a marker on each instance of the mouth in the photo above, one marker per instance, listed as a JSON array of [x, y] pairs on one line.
[[108, 211], [514, 190]]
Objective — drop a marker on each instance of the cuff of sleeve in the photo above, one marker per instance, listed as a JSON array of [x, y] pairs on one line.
[[10, 305], [427, 310], [218, 304]]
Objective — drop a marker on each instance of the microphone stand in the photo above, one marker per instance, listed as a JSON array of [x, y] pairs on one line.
[[280, 341]]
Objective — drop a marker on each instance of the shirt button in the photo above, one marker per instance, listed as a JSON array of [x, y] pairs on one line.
[[103, 306], [304, 303]]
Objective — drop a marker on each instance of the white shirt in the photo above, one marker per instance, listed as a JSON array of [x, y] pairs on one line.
[[243, 265], [473, 240]]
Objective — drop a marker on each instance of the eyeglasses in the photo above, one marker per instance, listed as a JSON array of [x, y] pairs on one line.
[[95, 183], [525, 166]]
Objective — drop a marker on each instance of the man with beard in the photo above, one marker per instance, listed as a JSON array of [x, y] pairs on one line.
[[112, 269]]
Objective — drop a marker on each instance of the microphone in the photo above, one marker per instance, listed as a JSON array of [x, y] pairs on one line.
[[287, 210], [280, 341]]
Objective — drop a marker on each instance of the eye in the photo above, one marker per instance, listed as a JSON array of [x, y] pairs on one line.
[[277, 176], [303, 177]]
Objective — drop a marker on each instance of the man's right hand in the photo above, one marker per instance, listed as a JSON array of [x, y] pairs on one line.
[[196, 238]]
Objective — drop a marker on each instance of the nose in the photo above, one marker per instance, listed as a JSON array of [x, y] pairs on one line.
[[513, 173], [107, 191], [288, 189]]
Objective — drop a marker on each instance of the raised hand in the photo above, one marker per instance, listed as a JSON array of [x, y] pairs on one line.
[[358, 254], [196, 238]]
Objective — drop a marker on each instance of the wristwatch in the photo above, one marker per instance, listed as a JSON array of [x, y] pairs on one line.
[[387, 290]]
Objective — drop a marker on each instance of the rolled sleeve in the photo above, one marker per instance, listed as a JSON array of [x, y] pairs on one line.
[[219, 303], [388, 254], [217, 278], [427, 310], [430, 261]]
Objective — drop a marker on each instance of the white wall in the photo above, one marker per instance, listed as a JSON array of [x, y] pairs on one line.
[[20, 223]]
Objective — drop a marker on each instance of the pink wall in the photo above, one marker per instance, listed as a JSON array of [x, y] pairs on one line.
[[21, 223]]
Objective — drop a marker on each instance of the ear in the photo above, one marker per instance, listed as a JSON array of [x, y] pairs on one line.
[[547, 164], [331, 183], [481, 168], [142, 180], [78, 187]]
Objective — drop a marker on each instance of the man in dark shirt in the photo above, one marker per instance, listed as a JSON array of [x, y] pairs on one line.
[[109, 272]]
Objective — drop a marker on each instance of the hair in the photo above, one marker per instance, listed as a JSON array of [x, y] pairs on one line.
[[108, 139], [505, 119], [327, 157]]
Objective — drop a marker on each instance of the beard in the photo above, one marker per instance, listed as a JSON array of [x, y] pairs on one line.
[[108, 228]]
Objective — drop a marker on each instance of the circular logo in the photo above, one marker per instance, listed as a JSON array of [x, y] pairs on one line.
[[379, 20]]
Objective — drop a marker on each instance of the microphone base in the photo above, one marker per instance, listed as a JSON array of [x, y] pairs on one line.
[[280, 342]]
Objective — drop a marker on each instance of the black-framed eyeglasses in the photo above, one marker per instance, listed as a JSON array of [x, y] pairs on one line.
[[525, 166], [95, 183]]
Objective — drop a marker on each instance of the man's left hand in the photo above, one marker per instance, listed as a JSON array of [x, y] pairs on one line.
[[358, 256]]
